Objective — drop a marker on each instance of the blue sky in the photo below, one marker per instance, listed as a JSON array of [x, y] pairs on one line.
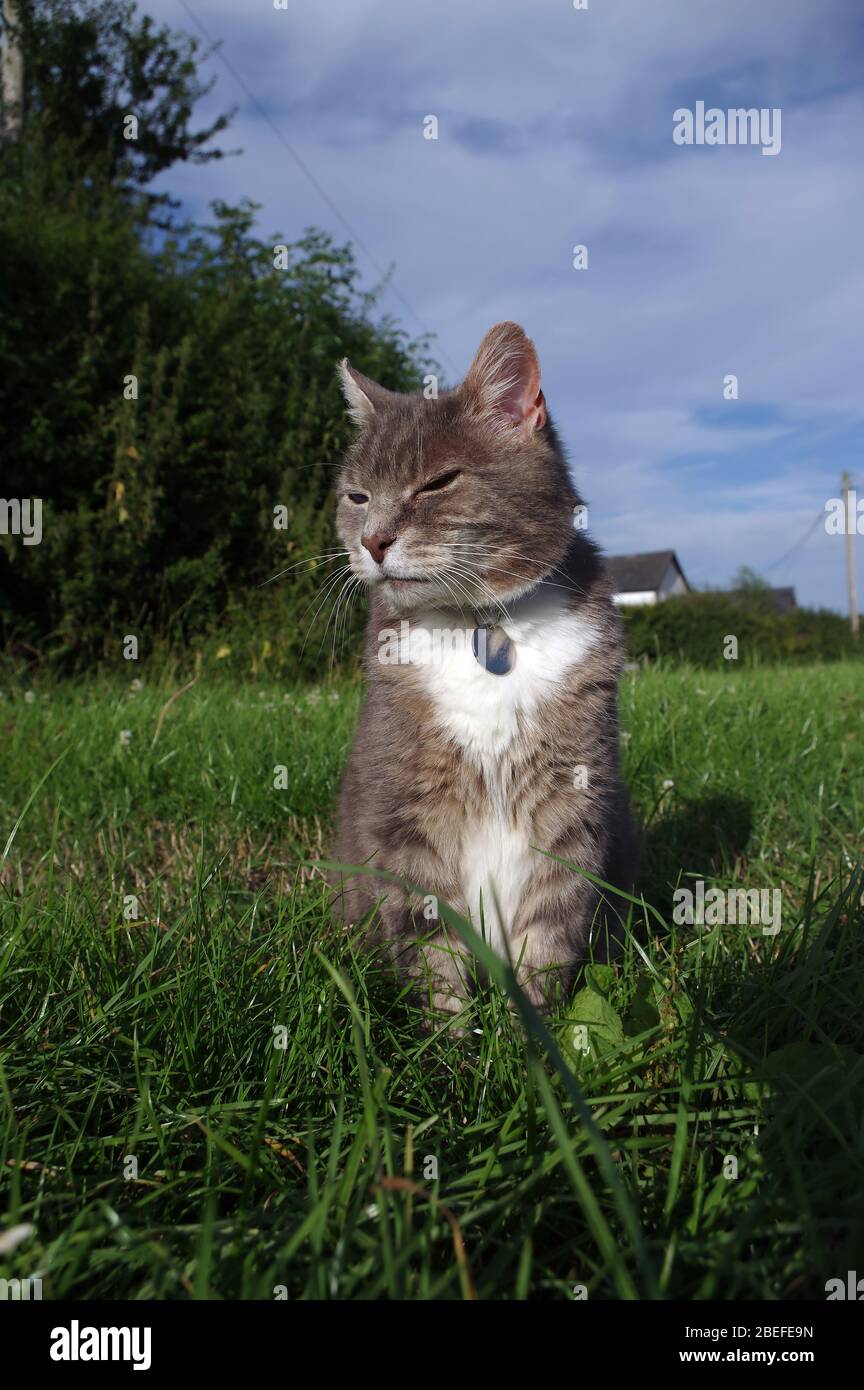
[[555, 129]]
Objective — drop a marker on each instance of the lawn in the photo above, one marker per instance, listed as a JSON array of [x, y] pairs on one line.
[[208, 1090]]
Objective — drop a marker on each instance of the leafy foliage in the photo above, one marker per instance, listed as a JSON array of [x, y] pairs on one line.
[[88, 65], [163, 389], [159, 511], [694, 628]]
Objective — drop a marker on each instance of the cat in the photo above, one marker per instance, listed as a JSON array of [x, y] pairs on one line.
[[489, 730]]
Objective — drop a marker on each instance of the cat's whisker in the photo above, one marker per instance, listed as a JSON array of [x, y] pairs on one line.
[[543, 578], [526, 579], [332, 617], [484, 588], [349, 607], [485, 593], [476, 546], [324, 589], [474, 574], [326, 557], [460, 588], [450, 585], [456, 590], [328, 586], [339, 617]]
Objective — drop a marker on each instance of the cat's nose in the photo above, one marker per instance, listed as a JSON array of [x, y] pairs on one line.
[[377, 544]]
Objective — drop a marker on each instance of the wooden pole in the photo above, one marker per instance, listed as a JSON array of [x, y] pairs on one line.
[[11, 72], [850, 558]]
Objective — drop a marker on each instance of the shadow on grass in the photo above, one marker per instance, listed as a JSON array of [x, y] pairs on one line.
[[701, 838]]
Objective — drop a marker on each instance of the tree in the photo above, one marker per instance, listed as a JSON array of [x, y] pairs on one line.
[[91, 65], [170, 399], [160, 504], [747, 581], [12, 87]]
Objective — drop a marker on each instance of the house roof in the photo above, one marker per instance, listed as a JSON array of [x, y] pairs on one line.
[[638, 573], [781, 600]]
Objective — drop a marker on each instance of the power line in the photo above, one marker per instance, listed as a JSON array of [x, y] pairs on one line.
[[807, 534], [798, 544], [319, 189]]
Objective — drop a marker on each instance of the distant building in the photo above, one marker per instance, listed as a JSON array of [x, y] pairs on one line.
[[647, 578], [781, 600]]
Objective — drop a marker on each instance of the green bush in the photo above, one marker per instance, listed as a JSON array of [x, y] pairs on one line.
[[158, 512], [694, 628]]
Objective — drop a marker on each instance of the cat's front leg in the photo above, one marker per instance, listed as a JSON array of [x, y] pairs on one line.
[[542, 971], [424, 952], [442, 969], [560, 926]]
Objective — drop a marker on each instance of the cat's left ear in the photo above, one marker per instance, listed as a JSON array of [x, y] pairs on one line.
[[503, 382], [364, 396]]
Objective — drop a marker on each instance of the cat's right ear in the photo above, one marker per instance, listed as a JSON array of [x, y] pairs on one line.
[[364, 397], [503, 382]]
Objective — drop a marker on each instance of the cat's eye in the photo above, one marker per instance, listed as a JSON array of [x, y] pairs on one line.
[[358, 498], [444, 479]]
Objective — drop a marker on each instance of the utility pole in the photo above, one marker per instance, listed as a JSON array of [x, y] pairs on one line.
[[11, 72], [850, 557]]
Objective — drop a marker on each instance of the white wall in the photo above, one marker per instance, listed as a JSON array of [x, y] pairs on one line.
[[671, 583], [640, 596]]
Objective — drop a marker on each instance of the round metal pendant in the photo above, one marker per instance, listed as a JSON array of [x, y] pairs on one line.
[[493, 649]]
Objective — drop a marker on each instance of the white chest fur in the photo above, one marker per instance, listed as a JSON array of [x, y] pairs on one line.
[[481, 711], [483, 714]]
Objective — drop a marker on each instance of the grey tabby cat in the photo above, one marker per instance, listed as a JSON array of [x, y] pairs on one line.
[[489, 731]]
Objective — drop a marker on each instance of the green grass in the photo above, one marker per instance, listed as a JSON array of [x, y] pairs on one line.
[[161, 1145]]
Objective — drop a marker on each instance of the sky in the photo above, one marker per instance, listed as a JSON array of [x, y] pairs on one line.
[[555, 129]]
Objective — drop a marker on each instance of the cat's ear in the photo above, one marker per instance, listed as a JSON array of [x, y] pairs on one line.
[[503, 382], [363, 395]]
